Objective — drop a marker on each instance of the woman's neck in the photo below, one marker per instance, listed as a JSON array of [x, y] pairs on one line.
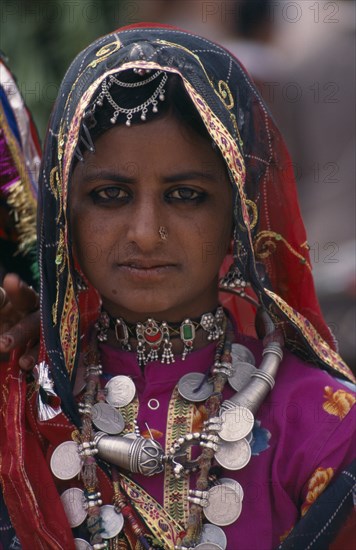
[[160, 340]]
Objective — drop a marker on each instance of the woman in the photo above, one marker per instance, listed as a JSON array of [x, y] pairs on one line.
[[163, 171]]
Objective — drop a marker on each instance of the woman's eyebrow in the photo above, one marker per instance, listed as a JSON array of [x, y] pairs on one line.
[[109, 175], [207, 175]]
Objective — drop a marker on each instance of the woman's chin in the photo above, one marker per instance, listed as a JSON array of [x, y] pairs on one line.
[[141, 309]]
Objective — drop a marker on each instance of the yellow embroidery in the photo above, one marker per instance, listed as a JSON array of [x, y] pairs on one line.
[[60, 262], [69, 326], [265, 243], [105, 52], [337, 403], [254, 212], [317, 344], [316, 485], [166, 529], [226, 95], [56, 188], [179, 422], [20, 196]]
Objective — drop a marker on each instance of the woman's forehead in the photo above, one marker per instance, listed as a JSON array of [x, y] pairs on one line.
[[166, 146]]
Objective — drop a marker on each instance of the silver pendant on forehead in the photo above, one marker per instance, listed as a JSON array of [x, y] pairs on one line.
[[65, 461], [188, 387], [233, 455], [236, 423], [73, 504], [224, 505], [107, 419], [120, 391], [113, 521]]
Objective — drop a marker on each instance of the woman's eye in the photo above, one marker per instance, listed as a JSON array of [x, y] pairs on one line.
[[186, 194], [109, 194]]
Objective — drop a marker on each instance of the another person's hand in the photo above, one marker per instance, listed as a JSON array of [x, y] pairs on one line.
[[19, 320]]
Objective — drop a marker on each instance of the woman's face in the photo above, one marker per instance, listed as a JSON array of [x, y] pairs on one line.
[[140, 179]]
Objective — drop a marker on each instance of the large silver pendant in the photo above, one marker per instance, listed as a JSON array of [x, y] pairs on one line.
[[229, 512], [233, 455], [73, 504], [107, 419], [65, 461], [137, 455], [192, 387], [120, 391], [113, 521], [236, 423]]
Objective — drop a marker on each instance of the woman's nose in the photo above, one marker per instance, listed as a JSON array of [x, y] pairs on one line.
[[145, 223]]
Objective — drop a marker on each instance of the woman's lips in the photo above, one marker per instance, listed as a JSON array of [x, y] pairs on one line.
[[146, 271]]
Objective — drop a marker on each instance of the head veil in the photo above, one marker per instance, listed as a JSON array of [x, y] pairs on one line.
[[270, 243]]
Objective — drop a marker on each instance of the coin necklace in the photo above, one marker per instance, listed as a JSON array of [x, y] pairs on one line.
[[226, 428]]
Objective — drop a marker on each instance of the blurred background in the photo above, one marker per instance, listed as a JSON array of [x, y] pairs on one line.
[[301, 55]]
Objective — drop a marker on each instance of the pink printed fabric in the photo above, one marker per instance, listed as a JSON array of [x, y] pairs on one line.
[[303, 437]]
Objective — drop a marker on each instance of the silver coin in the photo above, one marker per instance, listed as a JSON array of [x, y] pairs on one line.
[[113, 521], [236, 423], [73, 504], [120, 391], [65, 461], [213, 533], [107, 419], [233, 483], [208, 546], [241, 375], [189, 383], [224, 505], [242, 353], [81, 544], [233, 455]]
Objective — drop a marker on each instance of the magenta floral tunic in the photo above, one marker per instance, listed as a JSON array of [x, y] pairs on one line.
[[302, 438]]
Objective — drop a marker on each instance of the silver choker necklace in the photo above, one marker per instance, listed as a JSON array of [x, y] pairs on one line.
[[154, 338]]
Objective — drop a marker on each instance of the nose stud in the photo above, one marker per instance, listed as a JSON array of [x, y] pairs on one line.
[[163, 233]]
